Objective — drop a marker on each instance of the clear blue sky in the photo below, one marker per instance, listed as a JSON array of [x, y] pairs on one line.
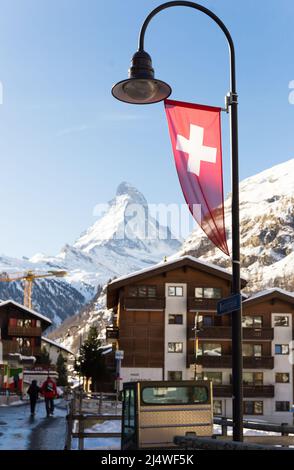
[[66, 144]]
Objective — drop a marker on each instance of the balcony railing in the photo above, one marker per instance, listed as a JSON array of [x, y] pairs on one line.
[[24, 331], [144, 303], [202, 304], [222, 362], [14, 347], [258, 333], [217, 332], [262, 362], [250, 391], [211, 361], [225, 332]]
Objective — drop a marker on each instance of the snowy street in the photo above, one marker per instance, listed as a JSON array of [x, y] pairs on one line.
[[20, 431]]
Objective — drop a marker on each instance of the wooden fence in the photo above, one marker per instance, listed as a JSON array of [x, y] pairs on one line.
[[85, 410]]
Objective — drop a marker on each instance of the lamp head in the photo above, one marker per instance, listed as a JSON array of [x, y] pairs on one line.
[[141, 87]]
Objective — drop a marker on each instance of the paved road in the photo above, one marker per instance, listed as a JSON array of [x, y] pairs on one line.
[[19, 431]]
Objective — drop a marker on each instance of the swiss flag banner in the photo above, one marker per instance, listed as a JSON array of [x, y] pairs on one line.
[[195, 132]]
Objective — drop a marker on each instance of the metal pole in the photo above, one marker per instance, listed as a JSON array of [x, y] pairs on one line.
[[237, 359], [196, 343], [236, 288]]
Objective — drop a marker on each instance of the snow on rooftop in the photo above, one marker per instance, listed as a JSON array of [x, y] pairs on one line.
[[57, 345], [22, 358], [170, 262], [269, 291], [32, 312]]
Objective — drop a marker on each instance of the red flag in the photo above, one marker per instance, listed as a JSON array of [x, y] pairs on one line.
[[195, 132]]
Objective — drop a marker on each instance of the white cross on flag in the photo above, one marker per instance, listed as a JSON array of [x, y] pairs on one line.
[[195, 132]]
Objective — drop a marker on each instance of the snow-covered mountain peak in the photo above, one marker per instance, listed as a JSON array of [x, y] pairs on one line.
[[134, 195], [128, 228], [279, 178], [124, 238]]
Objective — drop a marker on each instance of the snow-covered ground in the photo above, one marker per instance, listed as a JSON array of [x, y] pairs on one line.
[[115, 426], [101, 443]]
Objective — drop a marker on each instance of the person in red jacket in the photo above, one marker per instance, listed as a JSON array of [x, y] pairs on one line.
[[49, 392]]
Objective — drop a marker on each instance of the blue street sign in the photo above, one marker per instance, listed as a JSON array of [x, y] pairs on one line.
[[229, 304]]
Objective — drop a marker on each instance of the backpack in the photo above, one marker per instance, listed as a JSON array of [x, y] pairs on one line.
[[49, 387]]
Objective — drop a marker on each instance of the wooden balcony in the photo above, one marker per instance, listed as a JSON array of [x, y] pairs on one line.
[[262, 362], [14, 347], [250, 391], [201, 304], [219, 362], [215, 332], [225, 362], [24, 331], [144, 303], [258, 333], [225, 332]]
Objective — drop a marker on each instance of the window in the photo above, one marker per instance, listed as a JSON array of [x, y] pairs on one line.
[[174, 375], [215, 377], [252, 378], [205, 321], [281, 320], [208, 293], [210, 349], [24, 342], [282, 406], [282, 349], [282, 378], [27, 323], [132, 291], [175, 347], [252, 350], [129, 413], [38, 323], [142, 291], [253, 407], [175, 319], [151, 291], [249, 321], [217, 407], [175, 291], [177, 395]]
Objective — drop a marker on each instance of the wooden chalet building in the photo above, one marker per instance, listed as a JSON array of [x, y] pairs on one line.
[[154, 321], [21, 329], [21, 332]]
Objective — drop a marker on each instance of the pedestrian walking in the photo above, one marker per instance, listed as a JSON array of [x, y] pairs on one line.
[[33, 392], [49, 392]]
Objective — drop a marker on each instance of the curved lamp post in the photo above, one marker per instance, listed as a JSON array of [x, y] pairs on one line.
[[143, 88]]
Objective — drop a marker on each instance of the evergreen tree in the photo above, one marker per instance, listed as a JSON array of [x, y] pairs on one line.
[[61, 370], [91, 362]]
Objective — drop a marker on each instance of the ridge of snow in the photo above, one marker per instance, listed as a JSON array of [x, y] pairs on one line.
[[269, 291], [39, 315], [171, 260]]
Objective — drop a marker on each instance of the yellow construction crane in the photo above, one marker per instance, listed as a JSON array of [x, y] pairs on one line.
[[28, 277]]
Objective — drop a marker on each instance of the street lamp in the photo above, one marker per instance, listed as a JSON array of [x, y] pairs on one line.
[[142, 88]]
